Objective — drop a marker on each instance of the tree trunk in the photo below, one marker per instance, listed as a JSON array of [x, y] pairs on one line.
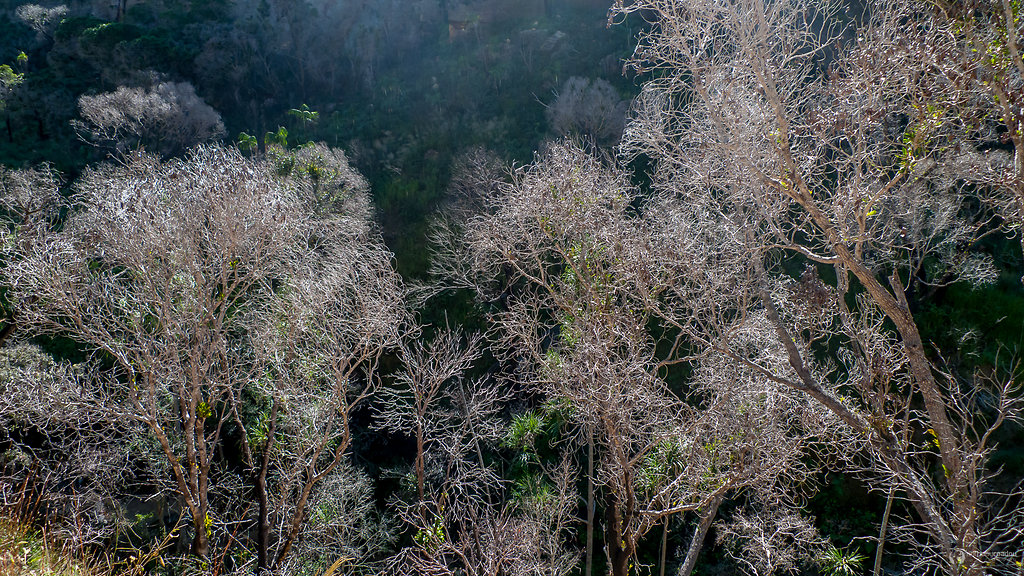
[[263, 529], [419, 463], [619, 550], [590, 506], [7, 330], [200, 542], [698, 536], [881, 533], [664, 548]]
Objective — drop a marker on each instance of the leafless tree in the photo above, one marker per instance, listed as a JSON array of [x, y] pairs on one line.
[[473, 537], [320, 345], [342, 525], [971, 54], [588, 108], [476, 173], [463, 519], [567, 263], [219, 286], [66, 460], [167, 118], [43, 20], [770, 541], [30, 202], [413, 404], [773, 138], [148, 273]]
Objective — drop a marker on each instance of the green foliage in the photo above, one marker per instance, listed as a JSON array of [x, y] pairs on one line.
[[278, 138], [255, 414], [532, 492], [24, 550], [304, 114], [9, 80], [433, 536], [659, 466], [247, 143], [159, 50], [107, 35], [836, 562], [524, 430], [73, 27], [306, 119]]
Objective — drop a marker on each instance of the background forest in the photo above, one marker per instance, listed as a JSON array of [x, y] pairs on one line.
[[512, 287]]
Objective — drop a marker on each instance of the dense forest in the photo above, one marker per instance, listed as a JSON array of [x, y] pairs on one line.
[[512, 287]]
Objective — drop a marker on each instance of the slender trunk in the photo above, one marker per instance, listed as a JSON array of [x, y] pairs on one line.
[[664, 548], [881, 533], [590, 506], [312, 479], [881, 441], [619, 550], [419, 463], [203, 457], [201, 541], [297, 518], [201, 546], [698, 536], [263, 530], [7, 330]]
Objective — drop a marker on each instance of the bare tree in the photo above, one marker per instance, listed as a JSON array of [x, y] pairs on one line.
[[588, 108], [66, 460], [43, 20], [412, 405], [567, 264], [473, 537], [462, 517], [971, 54], [167, 118], [775, 138], [30, 202], [151, 273], [219, 286], [770, 542]]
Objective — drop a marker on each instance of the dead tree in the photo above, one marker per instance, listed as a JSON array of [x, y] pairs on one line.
[[218, 287], [30, 204], [462, 516], [566, 261], [777, 135], [166, 118]]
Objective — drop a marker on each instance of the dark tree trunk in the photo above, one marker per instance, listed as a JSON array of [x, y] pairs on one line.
[[698, 536], [263, 530], [620, 552], [7, 330], [664, 548], [590, 506], [201, 542]]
